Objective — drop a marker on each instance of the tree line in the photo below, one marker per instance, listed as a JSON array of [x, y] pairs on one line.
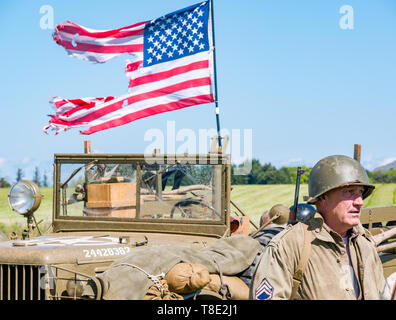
[[268, 174], [388, 176], [41, 181]]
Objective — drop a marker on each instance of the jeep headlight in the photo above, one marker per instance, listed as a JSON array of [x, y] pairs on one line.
[[24, 197], [75, 288]]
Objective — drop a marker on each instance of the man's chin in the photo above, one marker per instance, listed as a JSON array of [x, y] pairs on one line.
[[354, 220]]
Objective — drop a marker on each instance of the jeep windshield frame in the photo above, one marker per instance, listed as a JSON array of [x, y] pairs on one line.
[[198, 209]]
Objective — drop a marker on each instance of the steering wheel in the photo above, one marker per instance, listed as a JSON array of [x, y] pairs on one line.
[[186, 208]]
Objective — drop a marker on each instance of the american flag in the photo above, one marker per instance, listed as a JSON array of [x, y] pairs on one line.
[[171, 68]]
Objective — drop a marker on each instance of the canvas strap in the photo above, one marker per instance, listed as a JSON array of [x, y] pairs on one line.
[[302, 263], [155, 278]]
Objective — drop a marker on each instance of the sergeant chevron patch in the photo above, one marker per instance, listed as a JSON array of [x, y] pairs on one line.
[[265, 290]]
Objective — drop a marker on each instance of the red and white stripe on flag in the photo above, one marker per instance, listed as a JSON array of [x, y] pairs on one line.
[[182, 80], [100, 45]]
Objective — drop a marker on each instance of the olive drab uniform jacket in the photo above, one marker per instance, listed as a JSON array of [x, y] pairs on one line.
[[327, 274]]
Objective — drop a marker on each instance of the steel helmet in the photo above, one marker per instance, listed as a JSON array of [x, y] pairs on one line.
[[336, 171], [279, 214], [305, 211]]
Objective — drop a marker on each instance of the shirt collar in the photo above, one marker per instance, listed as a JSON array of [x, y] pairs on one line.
[[323, 232]]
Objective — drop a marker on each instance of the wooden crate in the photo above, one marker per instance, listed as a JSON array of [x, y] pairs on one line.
[[111, 195], [111, 199]]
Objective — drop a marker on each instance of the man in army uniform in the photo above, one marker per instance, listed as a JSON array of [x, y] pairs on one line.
[[331, 256]]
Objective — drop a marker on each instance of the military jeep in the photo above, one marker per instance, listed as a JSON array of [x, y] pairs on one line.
[[105, 206]]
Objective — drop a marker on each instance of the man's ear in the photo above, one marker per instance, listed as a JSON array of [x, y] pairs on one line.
[[320, 202], [323, 197]]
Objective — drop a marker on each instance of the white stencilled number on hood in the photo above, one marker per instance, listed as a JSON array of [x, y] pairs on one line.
[[106, 252]]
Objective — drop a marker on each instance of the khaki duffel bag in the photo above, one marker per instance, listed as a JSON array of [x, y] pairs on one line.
[[185, 278]]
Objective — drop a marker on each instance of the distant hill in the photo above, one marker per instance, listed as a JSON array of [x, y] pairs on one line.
[[386, 167]]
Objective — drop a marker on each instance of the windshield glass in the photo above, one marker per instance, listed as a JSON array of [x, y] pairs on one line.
[[146, 191]]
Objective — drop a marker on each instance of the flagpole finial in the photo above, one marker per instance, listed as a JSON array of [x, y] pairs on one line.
[[87, 146]]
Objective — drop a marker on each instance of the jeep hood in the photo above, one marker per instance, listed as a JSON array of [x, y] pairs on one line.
[[84, 248]]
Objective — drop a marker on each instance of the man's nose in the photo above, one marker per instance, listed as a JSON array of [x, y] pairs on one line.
[[358, 200]]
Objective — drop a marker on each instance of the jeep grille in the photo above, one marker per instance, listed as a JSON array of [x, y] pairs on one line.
[[21, 282]]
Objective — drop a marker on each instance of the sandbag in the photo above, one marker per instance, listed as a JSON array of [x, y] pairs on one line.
[[187, 278], [154, 293], [238, 289]]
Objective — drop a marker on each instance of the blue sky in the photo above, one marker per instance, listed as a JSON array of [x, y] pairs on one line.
[[305, 87]]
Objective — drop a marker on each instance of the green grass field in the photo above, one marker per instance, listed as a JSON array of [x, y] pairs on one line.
[[252, 199]]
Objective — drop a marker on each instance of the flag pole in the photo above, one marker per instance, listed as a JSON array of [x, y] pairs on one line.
[[215, 75]]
